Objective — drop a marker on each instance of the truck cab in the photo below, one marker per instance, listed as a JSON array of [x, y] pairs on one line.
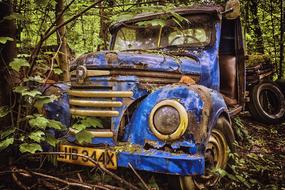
[[164, 93]]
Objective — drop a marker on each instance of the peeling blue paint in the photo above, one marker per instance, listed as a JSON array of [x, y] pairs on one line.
[[137, 131], [163, 162], [59, 110]]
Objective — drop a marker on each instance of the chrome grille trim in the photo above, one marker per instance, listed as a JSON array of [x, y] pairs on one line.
[[93, 113], [94, 103], [100, 94], [105, 133]]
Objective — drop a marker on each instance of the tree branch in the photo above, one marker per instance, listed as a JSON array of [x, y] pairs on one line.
[[50, 31], [121, 180]]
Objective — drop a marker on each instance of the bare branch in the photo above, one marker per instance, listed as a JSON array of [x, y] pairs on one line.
[[140, 178], [121, 180]]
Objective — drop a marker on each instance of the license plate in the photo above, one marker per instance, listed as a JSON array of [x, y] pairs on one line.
[[104, 157]]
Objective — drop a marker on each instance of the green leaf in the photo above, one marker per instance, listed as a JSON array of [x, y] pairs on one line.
[[84, 136], [18, 63], [154, 22], [51, 140], [31, 93], [4, 110], [31, 148], [178, 17], [23, 55], [92, 122], [57, 71], [220, 171], [37, 78], [37, 136], [42, 100], [4, 40], [6, 133], [79, 126], [55, 125], [39, 122], [24, 91], [5, 143], [14, 16], [20, 89]]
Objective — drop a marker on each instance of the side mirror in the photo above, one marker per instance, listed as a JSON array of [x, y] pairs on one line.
[[232, 9]]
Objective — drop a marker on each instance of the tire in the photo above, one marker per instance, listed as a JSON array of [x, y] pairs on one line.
[[281, 84], [221, 140], [267, 103]]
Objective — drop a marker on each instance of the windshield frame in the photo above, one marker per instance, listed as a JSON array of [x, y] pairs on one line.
[[212, 22]]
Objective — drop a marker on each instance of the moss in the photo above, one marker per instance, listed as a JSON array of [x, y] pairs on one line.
[[256, 59]]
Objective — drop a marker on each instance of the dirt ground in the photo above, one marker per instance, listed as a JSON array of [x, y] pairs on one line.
[[258, 163]]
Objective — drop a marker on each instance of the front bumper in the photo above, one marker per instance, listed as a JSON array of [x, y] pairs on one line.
[[163, 162], [151, 160]]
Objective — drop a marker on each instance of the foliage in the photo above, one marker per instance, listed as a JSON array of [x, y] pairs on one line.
[[4, 40], [31, 148], [30, 130], [17, 64], [257, 157], [4, 110], [81, 124], [6, 142]]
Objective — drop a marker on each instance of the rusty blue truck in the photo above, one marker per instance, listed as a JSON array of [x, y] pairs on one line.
[[165, 93]]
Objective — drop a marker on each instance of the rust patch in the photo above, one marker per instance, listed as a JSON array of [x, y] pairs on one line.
[[187, 80], [193, 124], [81, 60], [111, 57], [141, 66], [200, 135], [153, 144]]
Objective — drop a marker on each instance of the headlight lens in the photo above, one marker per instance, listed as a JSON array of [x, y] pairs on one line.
[[166, 120]]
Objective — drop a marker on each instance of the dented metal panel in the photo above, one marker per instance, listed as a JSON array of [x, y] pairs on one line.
[[162, 162]]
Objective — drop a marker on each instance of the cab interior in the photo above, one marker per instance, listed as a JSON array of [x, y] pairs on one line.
[[231, 63]]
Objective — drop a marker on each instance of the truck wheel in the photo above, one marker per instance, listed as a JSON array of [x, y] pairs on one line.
[[216, 156], [281, 84], [267, 103]]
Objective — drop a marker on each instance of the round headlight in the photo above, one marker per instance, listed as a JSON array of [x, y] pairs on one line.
[[168, 120]]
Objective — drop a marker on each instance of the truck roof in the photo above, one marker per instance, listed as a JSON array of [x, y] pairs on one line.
[[213, 10]]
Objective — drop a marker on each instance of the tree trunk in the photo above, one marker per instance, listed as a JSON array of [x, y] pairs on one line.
[[104, 26], [162, 2], [253, 4], [7, 51], [282, 28], [273, 34], [61, 41]]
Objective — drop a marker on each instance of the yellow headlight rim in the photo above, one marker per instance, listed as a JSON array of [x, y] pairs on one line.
[[183, 120]]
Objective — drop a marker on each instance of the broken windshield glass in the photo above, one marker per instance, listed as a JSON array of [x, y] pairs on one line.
[[193, 31]]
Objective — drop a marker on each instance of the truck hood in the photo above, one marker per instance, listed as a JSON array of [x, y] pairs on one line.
[[185, 63]]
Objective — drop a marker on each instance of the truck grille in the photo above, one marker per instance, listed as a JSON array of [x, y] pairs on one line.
[[89, 102]]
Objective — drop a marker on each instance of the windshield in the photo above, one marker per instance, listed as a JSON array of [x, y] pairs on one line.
[[192, 31]]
